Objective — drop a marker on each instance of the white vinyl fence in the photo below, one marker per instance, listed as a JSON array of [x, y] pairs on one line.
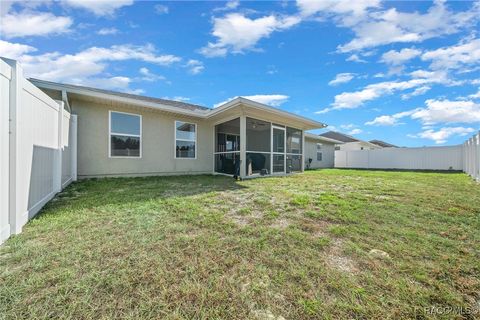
[[471, 157], [38, 149], [425, 158]]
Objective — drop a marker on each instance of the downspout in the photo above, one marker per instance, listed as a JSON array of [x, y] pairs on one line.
[[65, 100]]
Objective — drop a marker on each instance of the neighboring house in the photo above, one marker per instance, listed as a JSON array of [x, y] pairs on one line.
[[383, 144], [349, 143], [320, 150], [129, 135]]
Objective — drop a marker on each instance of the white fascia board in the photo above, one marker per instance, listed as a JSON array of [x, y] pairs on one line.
[[261, 106]]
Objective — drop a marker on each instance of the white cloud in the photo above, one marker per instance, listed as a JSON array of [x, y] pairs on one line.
[[274, 100], [116, 83], [390, 120], [441, 136], [107, 31], [237, 33], [475, 95], [454, 57], [341, 78], [23, 24], [379, 27], [161, 9], [349, 9], [147, 75], [436, 111], [195, 66], [351, 128], [14, 50], [86, 67], [447, 111], [393, 57], [355, 131], [230, 5], [417, 92], [355, 58], [352, 100], [177, 98], [98, 7]]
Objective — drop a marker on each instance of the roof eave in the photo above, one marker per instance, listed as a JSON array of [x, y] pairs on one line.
[[312, 124], [126, 100]]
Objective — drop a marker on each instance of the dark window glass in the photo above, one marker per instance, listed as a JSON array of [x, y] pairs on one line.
[[125, 146], [227, 136], [319, 156], [294, 140], [185, 149], [258, 135], [127, 124]]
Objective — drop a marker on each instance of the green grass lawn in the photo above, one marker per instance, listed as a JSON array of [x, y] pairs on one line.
[[208, 247]]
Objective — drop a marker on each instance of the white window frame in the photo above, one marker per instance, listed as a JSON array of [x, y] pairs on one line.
[[175, 140], [110, 133], [319, 150]]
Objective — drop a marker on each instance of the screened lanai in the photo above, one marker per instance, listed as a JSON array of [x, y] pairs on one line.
[[270, 148]]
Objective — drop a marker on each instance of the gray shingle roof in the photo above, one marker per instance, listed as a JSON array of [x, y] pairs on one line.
[[173, 103], [339, 136], [383, 144]]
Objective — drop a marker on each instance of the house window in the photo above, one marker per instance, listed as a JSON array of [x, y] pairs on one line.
[[337, 148], [185, 140], [319, 152], [125, 135]]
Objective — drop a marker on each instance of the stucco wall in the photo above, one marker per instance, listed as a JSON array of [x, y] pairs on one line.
[[328, 154], [158, 145]]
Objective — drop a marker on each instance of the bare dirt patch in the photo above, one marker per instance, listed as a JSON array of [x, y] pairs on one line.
[[336, 259]]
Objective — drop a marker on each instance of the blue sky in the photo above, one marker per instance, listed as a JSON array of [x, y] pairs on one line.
[[404, 72]]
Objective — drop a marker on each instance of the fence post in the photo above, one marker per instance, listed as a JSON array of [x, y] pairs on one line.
[[477, 152], [15, 87], [5, 223], [57, 173], [73, 155]]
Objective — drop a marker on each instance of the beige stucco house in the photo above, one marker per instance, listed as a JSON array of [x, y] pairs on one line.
[[129, 135]]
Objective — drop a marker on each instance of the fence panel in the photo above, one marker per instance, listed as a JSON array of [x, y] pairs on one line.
[[38, 149], [426, 158], [471, 154]]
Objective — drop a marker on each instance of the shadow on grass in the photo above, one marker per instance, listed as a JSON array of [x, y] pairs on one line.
[[97, 192]]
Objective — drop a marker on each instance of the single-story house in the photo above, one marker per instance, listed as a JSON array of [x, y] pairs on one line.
[[123, 134], [319, 151], [349, 143]]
